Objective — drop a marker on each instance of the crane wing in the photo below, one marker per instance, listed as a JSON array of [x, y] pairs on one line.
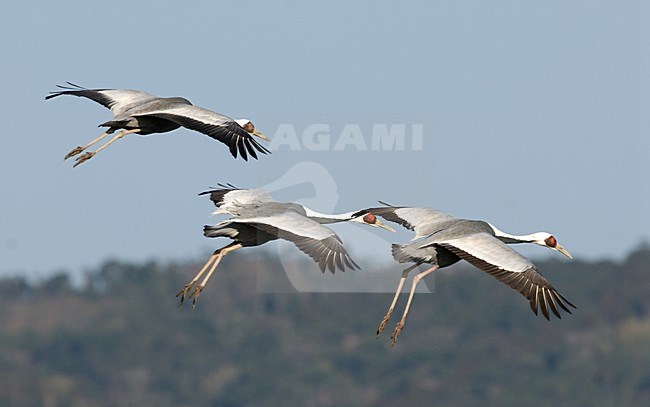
[[117, 100], [420, 220], [497, 259], [215, 125], [318, 242], [233, 200]]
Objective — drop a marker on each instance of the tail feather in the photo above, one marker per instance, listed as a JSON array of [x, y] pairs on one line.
[[219, 231], [406, 253], [399, 253]]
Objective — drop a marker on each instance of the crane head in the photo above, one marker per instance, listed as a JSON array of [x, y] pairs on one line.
[[548, 240], [370, 219], [249, 127]]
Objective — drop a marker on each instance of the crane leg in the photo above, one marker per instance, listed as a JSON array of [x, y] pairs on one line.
[[80, 149], [214, 260], [384, 321], [197, 291], [183, 292], [90, 154], [400, 324]]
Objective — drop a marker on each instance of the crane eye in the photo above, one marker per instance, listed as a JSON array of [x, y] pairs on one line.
[[550, 241], [370, 218], [249, 127]]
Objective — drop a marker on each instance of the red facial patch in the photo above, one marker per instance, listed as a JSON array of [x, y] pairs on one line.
[[370, 218], [249, 127], [551, 242]]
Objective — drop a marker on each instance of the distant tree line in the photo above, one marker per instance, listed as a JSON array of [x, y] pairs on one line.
[[120, 339]]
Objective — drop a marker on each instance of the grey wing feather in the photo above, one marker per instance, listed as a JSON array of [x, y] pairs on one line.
[[494, 257], [233, 200], [317, 241], [117, 100], [215, 125], [420, 220]]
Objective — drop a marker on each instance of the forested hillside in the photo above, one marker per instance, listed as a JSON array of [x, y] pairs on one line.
[[120, 339]]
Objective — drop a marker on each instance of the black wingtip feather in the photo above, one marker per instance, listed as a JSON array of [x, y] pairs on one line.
[[339, 263], [233, 149], [542, 305], [347, 262], [559, 301], [356, 266], [330, 262], [251, 150], [66, 89], [241, 145], [551, 302], [259, 147], [74, 86], [567, 301], [533, 305]]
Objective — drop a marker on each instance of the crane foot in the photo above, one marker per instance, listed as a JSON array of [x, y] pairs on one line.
[[84, 157], [396, 332], [382, 325], [195, 295], [183, 293], [74, 152]]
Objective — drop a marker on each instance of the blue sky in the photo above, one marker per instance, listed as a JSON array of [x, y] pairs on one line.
[[534, 117]]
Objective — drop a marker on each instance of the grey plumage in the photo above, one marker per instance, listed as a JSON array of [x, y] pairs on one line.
[[256, 224], [420, 220], [234, 201], [450, 240], [257, 218], [142, 113]]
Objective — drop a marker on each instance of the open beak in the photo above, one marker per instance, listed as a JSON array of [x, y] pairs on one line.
[[563, 251], [260, 135], [382, 225]]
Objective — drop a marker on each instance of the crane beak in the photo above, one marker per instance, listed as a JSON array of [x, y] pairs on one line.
[[563, 251], [260, 135], [382, 225]]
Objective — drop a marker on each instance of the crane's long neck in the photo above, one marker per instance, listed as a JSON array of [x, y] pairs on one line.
[[324, 218], [511, 239]]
